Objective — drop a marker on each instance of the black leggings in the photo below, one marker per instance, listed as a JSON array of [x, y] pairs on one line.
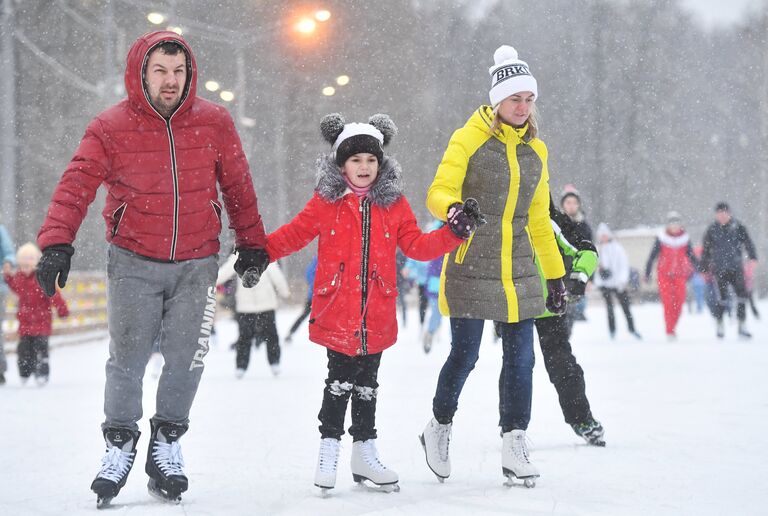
[[255, 329], [350, 376], [623, 298], [735, 278], [32, 352]]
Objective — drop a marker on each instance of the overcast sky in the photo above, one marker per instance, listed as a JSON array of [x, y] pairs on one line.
[[717, 13]]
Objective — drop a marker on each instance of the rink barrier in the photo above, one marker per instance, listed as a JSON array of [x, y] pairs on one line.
[[86, 296]]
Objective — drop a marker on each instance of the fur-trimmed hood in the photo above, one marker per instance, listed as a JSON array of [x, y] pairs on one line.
[[331, 186]]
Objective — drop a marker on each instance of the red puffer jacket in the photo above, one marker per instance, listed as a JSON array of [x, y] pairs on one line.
[[674, 255], [161, 175], [34, 311], [353, 307]]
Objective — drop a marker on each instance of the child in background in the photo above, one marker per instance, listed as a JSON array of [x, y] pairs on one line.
[[361, 216], [34, 314], [255, 314], [309, 274]]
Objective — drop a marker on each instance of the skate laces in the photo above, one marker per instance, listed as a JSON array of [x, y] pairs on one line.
[[115, 464], [443, 440], [329, 455], [520, 447], [371, 456], [168, 458]]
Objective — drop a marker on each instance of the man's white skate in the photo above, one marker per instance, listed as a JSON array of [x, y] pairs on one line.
[[435, 440], [515, 463], [327, 462], [369, 472]]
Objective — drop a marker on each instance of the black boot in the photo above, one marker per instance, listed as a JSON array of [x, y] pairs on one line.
[[164, 462], [115, 465]]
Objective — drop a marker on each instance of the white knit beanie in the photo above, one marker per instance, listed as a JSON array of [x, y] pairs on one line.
[[509, 75]]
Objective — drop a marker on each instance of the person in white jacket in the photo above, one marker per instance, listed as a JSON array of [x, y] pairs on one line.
[[612, 277], [255, 314]]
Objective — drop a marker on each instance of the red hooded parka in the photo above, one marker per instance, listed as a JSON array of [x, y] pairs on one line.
[[161, 174], [34, 310], [354, 295]]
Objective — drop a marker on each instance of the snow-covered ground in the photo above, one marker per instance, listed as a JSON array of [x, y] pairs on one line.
[[685, 425]]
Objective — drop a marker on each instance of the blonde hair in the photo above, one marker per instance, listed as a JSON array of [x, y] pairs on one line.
[[29, 249], [533, 121]]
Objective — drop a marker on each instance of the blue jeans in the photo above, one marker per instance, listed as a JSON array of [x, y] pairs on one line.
[[515, 380]]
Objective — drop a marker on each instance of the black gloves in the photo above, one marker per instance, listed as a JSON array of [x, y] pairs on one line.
[[576, 284], [250, 265], [54, 263], [463, 219], [556, 296]]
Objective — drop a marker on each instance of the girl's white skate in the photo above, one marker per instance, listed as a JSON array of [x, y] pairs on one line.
[[369, 472], [327, 462]]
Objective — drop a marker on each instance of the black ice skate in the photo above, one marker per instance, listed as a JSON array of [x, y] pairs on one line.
[[115, 465], [164, 462], [592, 432]]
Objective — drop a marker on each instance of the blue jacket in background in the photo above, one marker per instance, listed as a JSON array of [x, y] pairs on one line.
[[309, 273], [7, 254]]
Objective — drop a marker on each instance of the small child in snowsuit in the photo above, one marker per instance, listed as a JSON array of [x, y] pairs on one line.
[[361, 216], [34, 314]]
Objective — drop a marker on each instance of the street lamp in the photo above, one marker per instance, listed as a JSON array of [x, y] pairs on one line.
[[176, 29], [323, 15], [342, 80], [306, 26], [227, 96], [155, 18], [212, 86], [329, 91]]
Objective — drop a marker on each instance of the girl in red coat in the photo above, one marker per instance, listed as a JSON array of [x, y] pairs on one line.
[[361, 216], [33, 313], [676, 264]]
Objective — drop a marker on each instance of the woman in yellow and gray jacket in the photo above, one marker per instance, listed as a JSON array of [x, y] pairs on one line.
[[497, 159]]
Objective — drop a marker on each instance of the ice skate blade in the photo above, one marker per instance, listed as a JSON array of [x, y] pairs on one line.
[[512, 479], [325, 492], [163, 496], [370, 485], [104, 502], [440, 479]]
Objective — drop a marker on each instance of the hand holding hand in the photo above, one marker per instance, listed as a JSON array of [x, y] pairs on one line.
[[250, 265]]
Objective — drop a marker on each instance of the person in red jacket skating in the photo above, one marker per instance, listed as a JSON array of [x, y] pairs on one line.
[[162, 153], [676, 263], [360, 215], [33, 313]]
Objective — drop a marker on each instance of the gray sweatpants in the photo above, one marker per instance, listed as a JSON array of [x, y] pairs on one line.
[[147, 300], [3, 363]]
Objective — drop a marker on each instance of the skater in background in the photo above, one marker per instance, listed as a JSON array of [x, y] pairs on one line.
[[725, 242], [612, 278], [309, 275], [676, 262], [416, 273], [163, 154], [698, 282], [7, 256], [570, 204], [34, 314], [361, 216], [493, 276], [432, 289], [255, 314], [565, 373]]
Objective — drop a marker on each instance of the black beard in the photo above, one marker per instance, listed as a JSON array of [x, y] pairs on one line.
[[164, 108]]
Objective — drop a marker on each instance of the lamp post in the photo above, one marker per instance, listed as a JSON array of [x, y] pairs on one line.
[[8, 120]]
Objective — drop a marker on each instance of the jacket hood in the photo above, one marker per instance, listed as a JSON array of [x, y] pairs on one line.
[[331, 186], [134, 70]]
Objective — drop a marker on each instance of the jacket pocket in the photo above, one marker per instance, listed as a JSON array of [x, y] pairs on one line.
[[117, 217], [216, 209], [462, 250], [323, 297]]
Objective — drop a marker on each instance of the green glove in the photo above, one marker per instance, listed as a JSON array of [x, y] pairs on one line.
[[585, 262]]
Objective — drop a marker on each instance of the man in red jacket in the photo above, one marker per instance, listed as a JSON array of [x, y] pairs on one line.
[[162, 153]]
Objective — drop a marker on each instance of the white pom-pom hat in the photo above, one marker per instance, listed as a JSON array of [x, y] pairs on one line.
[[509, 75]]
